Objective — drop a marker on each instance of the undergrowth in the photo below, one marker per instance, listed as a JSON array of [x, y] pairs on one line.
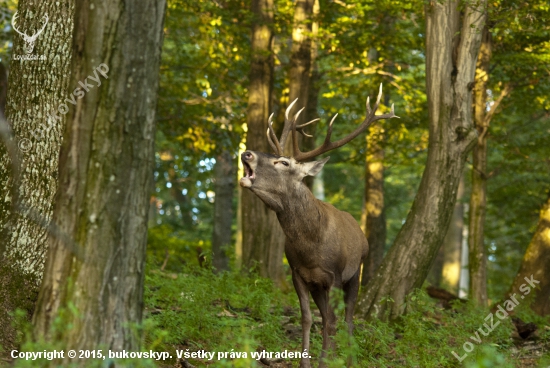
[[231, 312]]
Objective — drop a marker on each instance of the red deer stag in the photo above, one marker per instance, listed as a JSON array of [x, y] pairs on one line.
[[324, 246]]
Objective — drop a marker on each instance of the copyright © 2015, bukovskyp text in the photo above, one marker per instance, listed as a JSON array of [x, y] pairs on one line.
[[90, 354]]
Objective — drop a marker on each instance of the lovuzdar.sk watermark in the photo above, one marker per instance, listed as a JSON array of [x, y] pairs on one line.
[[501, 314], [29, 40]]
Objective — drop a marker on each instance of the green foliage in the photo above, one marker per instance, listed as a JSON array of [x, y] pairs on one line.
[[198, 310]]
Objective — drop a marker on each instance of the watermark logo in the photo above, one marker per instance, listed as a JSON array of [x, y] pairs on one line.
[[29, 40], [501, 313]]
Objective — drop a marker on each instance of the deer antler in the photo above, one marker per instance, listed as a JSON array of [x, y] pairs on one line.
[[327, 144], [278, 145]]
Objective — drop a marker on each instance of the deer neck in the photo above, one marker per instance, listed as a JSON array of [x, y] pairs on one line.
[[302, 214]]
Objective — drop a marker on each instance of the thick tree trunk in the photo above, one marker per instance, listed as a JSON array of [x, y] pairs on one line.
[[33, 90], [36, 109], [452, 46], [93, 280], [534, 265], [262, 236], [478, 198], [224, 185], [373, 219]]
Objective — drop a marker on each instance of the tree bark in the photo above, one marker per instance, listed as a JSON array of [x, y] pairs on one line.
[[452, 47], [535, 265], [224, 185], [263, 238], [478, 198], [301, 57], [450, 273], [36, 91], [94, 273], [445, 271], [373, 219]]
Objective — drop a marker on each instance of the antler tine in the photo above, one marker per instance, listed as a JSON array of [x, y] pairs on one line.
[[328, 145], [271, 133], [289, 123], [300, 128]]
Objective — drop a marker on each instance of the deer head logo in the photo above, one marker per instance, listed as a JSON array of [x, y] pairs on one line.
[[29, 40]]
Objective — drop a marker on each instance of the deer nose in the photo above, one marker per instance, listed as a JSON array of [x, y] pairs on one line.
[[248, 156]]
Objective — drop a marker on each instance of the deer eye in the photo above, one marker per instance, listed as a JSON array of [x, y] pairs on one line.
[[284, 163]]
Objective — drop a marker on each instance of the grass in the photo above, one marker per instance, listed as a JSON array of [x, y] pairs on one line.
[[233, 313]]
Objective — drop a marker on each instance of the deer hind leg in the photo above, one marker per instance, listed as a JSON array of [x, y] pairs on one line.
[[303, 297], [321, 298], [351, 289]]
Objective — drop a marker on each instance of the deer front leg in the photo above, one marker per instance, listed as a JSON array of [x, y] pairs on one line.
[[303, 297], [321, 298]]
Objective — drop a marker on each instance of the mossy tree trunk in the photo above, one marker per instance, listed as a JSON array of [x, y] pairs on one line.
[[35, 109], [30, 99], [478, 198], [94, 273], [452, 44], [262, 236], [373, 219], [535, 265]]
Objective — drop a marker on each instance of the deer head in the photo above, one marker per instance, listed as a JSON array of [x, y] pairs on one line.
[[272, 177], [29, 40]]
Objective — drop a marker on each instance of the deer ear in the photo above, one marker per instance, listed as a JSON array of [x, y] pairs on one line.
[[313, 168]]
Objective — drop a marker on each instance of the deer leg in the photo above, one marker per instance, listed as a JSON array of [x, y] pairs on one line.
[[321, 298], [303, 296], [351, 289]]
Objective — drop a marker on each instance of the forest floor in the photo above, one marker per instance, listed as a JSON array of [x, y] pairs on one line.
[[231, 317]]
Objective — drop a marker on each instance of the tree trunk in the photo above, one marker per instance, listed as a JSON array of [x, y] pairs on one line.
[[373, 219], [94, 273], [450, 273], [33, 90], [535, 265], [36, 109], [263, 238], [445, 271], [451, 52], [224, 185], [478, 198]]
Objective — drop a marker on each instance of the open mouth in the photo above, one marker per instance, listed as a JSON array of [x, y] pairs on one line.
[[248, 172]]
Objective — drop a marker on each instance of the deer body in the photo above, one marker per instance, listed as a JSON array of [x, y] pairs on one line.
[[324, 246]]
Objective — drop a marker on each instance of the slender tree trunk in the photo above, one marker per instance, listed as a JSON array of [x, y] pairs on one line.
[[478, 198], [452, 46], [450, 272], [313, 88], [93, 280], [36, 109], [224, 185], [534, 265], [373, 219], [301, 54], [263, 238], [445, 271]]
